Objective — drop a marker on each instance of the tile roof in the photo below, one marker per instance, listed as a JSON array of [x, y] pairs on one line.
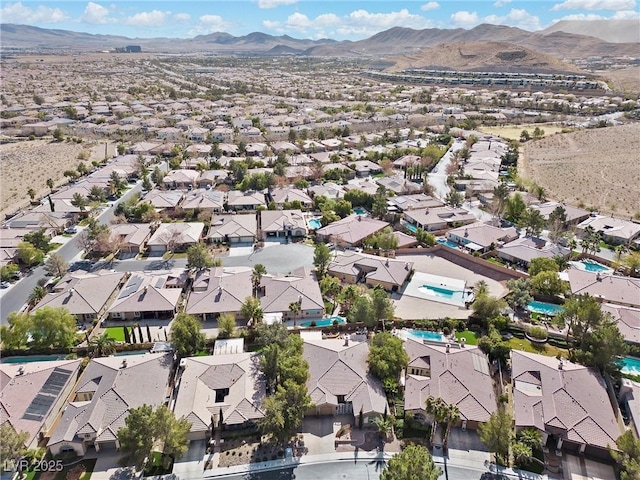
[[572, 399], [219, 290], [233, 226], [280, 291], [277, 220], [612, 288], [202, 376], [186, 233], [338, 369], [82, 292], [18, 390], [460, 377], [628, 320], [147, 292], [379, 269], [352, 229], [119, 387]]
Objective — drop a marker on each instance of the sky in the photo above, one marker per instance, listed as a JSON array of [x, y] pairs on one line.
[[339, 20]]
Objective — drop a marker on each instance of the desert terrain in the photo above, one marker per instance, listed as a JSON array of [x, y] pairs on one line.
[[596, 167], [512, 132], [28, 164]]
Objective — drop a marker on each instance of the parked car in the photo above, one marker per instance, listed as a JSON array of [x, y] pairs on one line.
[[71, 229], [5, 284]]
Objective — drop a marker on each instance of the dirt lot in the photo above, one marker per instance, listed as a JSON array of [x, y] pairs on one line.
[[597, 167], [29, 164], [512, 132]]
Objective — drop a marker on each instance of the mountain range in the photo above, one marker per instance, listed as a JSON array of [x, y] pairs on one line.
[[563, 41]]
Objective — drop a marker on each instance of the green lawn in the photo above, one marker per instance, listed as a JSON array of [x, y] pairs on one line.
[[117, 333], [544, 349], [158, 464], [469, 336], [173, 256]]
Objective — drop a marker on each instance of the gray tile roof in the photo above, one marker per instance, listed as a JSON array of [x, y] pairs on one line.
[[352, 229], [83, 293], [280, 291], [338, 369], [572, 399], [17, 390], [118, 388], [233, 226], [379, 269], [146, 292], [460, 377], [612, 288], [196, 395], [219, 290]]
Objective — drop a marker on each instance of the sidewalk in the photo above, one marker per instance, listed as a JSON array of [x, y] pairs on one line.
[[195, 469]]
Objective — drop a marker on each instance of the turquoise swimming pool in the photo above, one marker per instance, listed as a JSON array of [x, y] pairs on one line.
[[630, 365], [447, 243], [411, 228], [591, 266], [426, 335], [33, 358], [314, 223], [360, 211], [324, 322], [544, 308]]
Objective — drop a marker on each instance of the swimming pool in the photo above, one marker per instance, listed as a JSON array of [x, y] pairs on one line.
[[323, 322], [411, 228], [544, 307], [426, 335], [437, 288], [314, 223], [447, 243], [591, 266], [33, 358], [360, 211], [630, 365]]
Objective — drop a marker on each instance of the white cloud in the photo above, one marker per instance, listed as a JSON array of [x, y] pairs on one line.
[[95, 14], [626, 14], [298, 21], [154, 18], [463, 18], [622, 15], [501, 3], [209, 24], [275, 3], [182, 17], [18, 13], [595, 5], [430, 6]]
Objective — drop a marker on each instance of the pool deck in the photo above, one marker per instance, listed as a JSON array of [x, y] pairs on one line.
[[413, 308], [414, 288]]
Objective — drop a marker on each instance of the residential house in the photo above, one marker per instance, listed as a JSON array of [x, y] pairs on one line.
[[164, 200], [278, 292], [85, 295], [355, 268], [204, 200], [149, 295], [629, 397], [404, 240], [182, 178], [282, 195], [460, 375], [108, 390], [350, 231], [402, 203], [614, 230], [574, 215], [251, 200], [220, 391], [339, 379], [627, 319], [399, 185], [175, 237], [523, 250], [219, 290], [56, 221], [287, 224], [131, 237], [441, 218], [210, 178], [567, 402], [605, 286], [366, 168], [330, 190], [230, 228], [33, 394], [480, 237]]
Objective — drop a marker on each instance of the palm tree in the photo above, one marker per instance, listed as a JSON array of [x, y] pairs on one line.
[[32, 193], [256, 277], [37, 294], [252, 310], [295, 308], [385, 425], [451, 416], [102, 346], [572, 244], [434, 406], [481, 288]]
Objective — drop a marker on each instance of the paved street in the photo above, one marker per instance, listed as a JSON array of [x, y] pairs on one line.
[[16, 296]]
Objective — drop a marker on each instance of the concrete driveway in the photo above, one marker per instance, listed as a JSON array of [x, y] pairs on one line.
[[276, 258]]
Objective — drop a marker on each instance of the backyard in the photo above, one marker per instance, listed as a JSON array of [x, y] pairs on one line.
[[81, 470]]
